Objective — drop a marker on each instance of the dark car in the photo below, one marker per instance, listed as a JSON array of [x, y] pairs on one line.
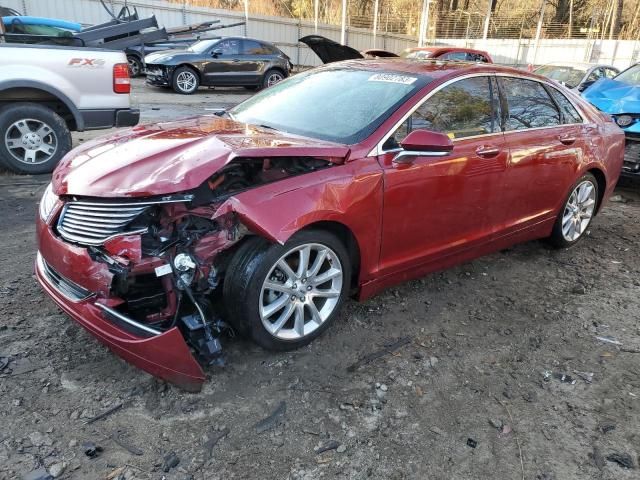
[[226, 62], [137, 53], [345, 179]]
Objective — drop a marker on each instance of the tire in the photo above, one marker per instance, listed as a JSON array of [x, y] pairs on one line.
[[185, 81], [33, 138], [246, 294], [272, 77], [135, 66], [576, 213]]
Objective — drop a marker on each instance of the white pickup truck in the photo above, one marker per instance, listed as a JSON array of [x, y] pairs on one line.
[[48, 91]]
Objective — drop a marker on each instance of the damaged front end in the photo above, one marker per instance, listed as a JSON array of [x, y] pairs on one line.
[[145, 275]]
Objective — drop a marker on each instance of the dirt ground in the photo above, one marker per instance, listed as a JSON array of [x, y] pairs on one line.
[[470, 385]]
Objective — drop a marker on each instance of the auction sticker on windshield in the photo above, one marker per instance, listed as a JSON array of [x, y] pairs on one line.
[[392, 78]]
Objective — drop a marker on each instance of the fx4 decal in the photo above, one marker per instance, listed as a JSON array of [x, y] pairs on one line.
[[86, 62]]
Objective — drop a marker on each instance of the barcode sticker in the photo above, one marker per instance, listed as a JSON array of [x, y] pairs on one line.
[[392, 78]]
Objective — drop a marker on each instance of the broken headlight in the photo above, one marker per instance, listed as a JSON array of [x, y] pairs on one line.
[[47, 203]]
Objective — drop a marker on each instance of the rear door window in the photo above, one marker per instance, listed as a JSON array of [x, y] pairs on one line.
[[251, 47], [529, 105], [569, 112]]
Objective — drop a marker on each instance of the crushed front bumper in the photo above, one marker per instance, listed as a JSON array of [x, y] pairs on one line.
[[158, 75], [78, 285]]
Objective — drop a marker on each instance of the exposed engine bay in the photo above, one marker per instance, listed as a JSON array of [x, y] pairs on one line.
[[169, 262]]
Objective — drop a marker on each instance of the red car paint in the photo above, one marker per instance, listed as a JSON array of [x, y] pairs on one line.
[[407, 220]]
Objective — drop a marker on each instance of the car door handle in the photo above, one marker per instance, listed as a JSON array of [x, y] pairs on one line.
[[567, 139], [487, 151]]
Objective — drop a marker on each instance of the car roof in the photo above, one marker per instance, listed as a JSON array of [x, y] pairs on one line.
[[433, 68], [446, 49], [585, 65]]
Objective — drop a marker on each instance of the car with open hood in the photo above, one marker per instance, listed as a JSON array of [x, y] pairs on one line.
[[620, 98], [329, 51], [220, 62], [264, 219]]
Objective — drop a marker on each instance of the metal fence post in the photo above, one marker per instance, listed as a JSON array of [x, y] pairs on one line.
[[538, 32], [375, 21], [343, 28]]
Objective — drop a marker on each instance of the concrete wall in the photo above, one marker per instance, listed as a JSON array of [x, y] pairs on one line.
[[284, 33]]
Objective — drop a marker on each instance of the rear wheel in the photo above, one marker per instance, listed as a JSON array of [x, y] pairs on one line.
[[33, 138], [185, 81], [284, 296], [272, 77], [577, 213]]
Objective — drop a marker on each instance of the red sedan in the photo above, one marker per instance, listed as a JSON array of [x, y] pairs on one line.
[[339, 181]]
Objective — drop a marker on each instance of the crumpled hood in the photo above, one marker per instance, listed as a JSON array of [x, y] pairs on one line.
[[174, 157], [614, 97]]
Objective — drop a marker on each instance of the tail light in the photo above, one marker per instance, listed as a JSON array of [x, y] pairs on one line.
[[121, 80]]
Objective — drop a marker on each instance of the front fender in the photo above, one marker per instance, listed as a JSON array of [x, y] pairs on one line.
[[348, 194]]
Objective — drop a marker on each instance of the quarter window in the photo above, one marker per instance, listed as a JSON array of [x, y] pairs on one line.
[[530, 106], [569, 113]]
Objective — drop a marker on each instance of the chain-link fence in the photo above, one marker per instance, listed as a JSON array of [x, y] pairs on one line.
[[510, 19]]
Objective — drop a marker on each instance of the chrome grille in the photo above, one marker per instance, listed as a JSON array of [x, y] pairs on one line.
[[93, 223]]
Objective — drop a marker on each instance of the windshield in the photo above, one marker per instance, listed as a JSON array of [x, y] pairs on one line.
[[342, 106], [203, 45], [630, 76], [408, 53], [571, 76]]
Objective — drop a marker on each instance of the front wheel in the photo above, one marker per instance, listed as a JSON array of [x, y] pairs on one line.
[[284, 296], [33, 138], [185, 81], [577, 213]]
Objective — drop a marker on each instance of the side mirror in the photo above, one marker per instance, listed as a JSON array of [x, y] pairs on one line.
[[423, 143], [216, 53]]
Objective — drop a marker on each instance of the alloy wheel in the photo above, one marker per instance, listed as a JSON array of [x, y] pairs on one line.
[[186, 81], [578, 211], [301, 291], [31, 141], [273, 79]]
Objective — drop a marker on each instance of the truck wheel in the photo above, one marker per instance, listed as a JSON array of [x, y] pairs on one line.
[[33, 138], [135, 66], [185, 81]]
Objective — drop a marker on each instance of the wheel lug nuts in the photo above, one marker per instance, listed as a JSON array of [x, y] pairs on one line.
[[295, 285], [304, 280], [293, 297]]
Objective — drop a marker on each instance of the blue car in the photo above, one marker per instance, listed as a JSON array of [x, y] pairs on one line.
[[620, 98]]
